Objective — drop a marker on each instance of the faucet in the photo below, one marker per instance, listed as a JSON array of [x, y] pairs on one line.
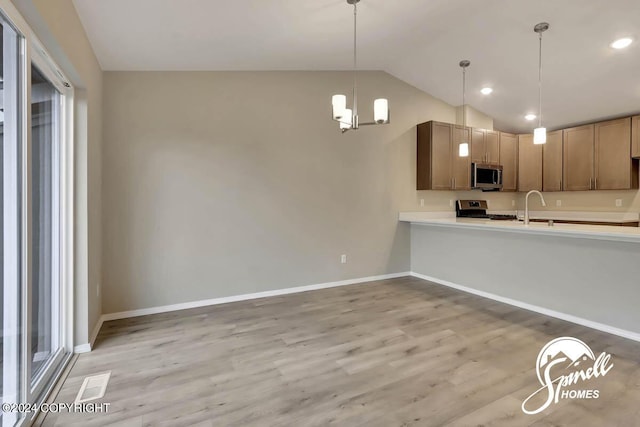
[[526, 204]]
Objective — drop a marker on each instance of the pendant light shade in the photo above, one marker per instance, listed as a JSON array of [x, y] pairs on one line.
[[540, 133], [463, 148], [540, 136], [339, 104], [348, 118]]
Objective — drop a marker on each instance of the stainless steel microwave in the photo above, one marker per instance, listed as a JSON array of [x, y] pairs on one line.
[[486, 177]]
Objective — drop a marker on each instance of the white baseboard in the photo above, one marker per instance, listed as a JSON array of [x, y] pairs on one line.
[[552, 313], [244, 297], [96, 331], [86, 347]]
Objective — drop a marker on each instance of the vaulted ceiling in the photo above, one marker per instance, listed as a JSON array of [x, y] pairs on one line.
[[418, 41]]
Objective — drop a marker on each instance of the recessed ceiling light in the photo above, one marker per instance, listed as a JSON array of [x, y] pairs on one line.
[[530, 117], [486, 90], [621, 43]]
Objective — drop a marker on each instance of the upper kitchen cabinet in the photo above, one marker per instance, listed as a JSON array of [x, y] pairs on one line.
[[635, 137], [439, 167], [579, 158], [614, 169], [552, 162], [509, 161], [485, 146], [529, 164], [434, 156]]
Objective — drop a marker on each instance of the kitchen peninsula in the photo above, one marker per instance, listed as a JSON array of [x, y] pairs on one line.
[[586, 274]]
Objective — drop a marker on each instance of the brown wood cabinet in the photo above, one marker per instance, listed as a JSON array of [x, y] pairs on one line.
[[529, 164], [598, 157], [635, 137], [552, 162], [485, 146], [613, 167], [509, 161], [439, 167], [578, 160]]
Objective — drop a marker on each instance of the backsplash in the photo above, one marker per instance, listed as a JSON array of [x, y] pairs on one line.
[[443, 200], [590, 201], [596, 201]]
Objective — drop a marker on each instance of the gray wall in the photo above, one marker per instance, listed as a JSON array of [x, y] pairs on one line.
[[592, 279], [225, 183]]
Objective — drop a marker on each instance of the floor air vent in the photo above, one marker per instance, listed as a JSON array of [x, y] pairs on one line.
[[93, 388]]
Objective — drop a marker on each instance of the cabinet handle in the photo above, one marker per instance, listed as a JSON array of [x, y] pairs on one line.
[[595, 186], [454, 183], [590, 183]]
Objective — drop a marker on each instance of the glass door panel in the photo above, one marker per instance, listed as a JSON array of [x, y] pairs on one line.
[[45, 224]]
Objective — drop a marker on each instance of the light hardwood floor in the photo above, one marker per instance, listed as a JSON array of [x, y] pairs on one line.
[[401, 352]]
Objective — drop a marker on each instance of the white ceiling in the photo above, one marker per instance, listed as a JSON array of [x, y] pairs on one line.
[[418, 41]]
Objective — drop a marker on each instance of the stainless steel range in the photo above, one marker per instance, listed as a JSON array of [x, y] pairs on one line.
[[478, 209]]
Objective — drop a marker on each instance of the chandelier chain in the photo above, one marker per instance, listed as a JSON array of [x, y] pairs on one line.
[[355, 60]]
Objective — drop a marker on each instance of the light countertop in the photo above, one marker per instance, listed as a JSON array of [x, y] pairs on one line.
[[584, 231]]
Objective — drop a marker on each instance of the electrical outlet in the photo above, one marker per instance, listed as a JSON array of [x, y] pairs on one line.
[[558, 203], [422, 203], [343, 259], [513, 203], [451, 202], [618, 203]]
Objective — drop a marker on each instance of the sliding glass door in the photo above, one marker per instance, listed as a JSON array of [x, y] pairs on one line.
[[35, 216]]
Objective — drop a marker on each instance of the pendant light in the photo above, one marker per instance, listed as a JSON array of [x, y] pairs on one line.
[[348, 117], [463, 148], [540, 133]]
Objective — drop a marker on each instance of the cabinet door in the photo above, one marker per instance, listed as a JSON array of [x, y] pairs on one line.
[[478, 149], [578, 159], [529, 164], [552, 162], [613, 164], [509, 161], [492, 147], [461, 166], [434, 156], [635, 137]]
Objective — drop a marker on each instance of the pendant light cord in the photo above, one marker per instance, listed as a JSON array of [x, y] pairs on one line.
[[464, 86], [355, 60], [540, 83]]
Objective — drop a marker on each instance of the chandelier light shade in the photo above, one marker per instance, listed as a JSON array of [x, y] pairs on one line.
[[381, 111], [339, 104], [540, 133], [346, 120], [463, 148], [348, 117]]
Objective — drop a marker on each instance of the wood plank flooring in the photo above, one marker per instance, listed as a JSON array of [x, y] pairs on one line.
[[400, 352]]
